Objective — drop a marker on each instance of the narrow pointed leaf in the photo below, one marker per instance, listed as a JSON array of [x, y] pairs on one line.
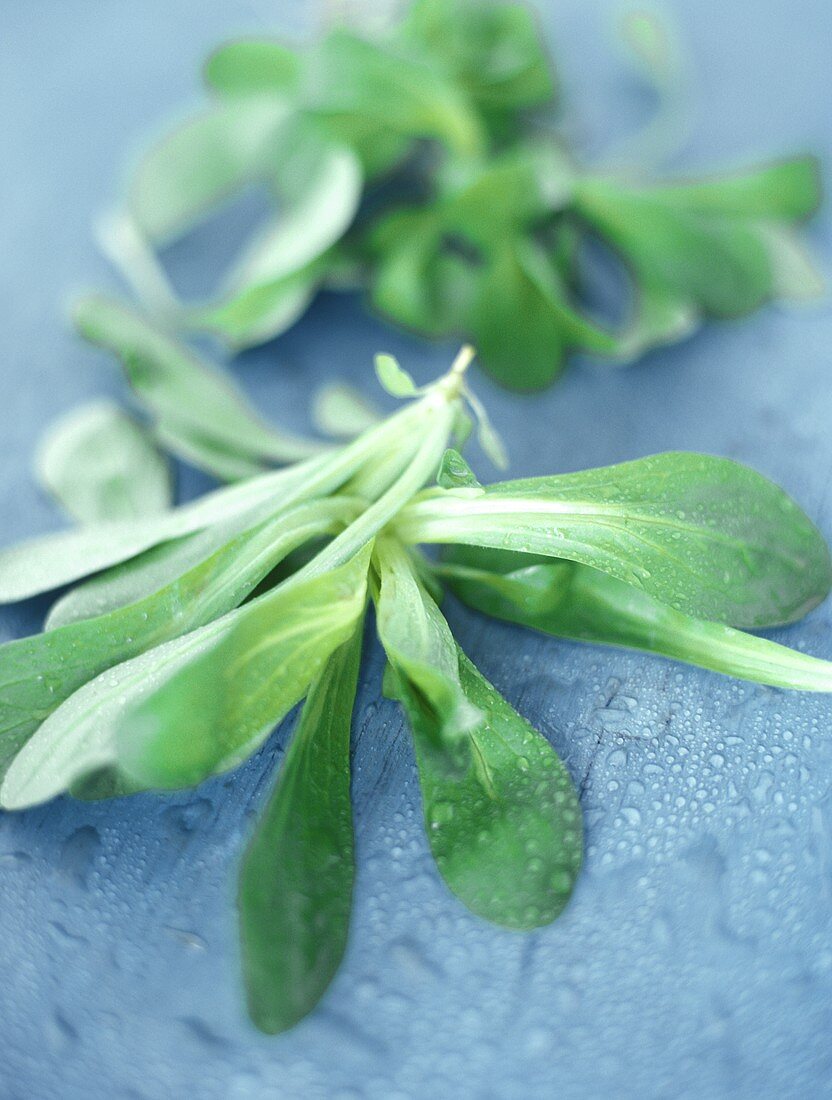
[[51, 561], [37, 674], [574, 601], [213, 713], [296, 880], [420, 647]]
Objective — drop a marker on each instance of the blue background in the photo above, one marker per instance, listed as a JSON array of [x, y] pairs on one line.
[[695, 959]]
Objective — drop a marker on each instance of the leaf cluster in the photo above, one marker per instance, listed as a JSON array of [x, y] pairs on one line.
[[193, 631], [423, 165]]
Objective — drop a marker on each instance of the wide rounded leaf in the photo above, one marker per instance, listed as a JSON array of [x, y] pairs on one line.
[[705, 535], [506, 835]]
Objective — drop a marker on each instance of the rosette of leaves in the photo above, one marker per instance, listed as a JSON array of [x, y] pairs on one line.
[[192, 631], [420, 164], [493, 256]]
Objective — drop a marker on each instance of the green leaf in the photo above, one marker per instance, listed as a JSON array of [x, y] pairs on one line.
[[454, 472], [506, 836], [297, 876], [574, 601], [76, 744], [393, 377], [420, 647], [253, 66], [462, 263], [415, 279], [351, 78], [786, 190], [132, 580], [48, 562], [197, 409], [707, 536], [261, 311], [521, 322], [37, 674], [495, 52], [341, 411], [202, 163], [214, 712], [100, 464], [415, 436], [371, 464], [712, 248], [319, 187]]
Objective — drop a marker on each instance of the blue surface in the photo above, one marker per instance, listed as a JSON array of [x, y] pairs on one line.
[[696, 958]]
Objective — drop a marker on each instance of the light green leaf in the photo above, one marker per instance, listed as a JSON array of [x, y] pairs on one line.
[[495, 52], [506, 835], [41, 564], [264, 310], [420, 647], [341, 411], [574, 601], [77, 742], [296, 880], [454, 472], [100, 464], [202, 163], [215, 711], [37, 674], [786, 190], [393, 377], [253, 66], [198, 411], [707, 536], [487, 435], [319, 187]]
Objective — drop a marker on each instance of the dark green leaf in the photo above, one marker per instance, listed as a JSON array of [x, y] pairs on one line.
[[506, 836], [715, 248], [296, 880]]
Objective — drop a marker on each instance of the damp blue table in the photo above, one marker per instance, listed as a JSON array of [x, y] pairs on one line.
[[695, 959]]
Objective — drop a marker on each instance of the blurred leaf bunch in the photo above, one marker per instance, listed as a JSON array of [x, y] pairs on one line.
[[423, 165]]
